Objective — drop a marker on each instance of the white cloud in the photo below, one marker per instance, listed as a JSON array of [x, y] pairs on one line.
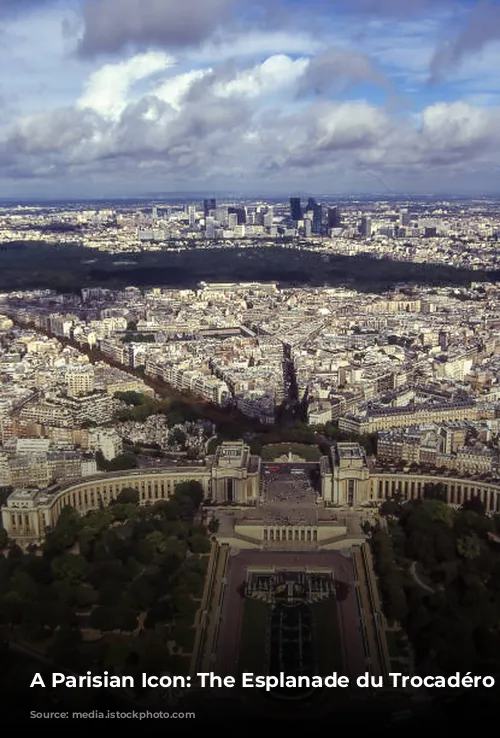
[[237, 105], [107, 91], [275, 73], [458, 125], [173, 90]]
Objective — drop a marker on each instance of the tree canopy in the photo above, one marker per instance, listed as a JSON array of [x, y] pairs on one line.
[[439, 574], [136, 572]]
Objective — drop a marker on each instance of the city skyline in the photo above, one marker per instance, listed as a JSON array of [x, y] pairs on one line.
[[107, 99]]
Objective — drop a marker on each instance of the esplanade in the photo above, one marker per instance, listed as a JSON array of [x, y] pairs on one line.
[[233, 477]]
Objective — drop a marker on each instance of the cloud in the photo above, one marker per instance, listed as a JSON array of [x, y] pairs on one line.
[[228, 137], [150, 120], [482, 27], [57, 134], [174, 90], [107, 89], [338, 69], [18, 7], [111, 26], [274, 74], [459, 132]]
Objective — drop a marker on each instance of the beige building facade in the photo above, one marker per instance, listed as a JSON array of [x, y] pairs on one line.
[[232, 478]]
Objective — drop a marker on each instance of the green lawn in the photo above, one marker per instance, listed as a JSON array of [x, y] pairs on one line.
[[327, 641], [254, 636]]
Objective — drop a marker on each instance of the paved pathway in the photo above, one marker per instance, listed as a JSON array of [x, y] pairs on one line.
[[416, 578]]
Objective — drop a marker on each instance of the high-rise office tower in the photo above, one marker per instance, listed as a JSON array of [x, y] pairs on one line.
[[192, 215], [221, 214], [317, 220], [154, 213], [295, 208], [268, 218], [334, 218], [311, 204], [365, 227], [240, 213], [210, 228], [209, 205]]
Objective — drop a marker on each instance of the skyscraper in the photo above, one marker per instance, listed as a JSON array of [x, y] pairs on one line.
[[221, 214], [295, 208], [311, 205], [365, 227], [210, 228], [334, 218], [209, 205], [240, 212], [317, 221]]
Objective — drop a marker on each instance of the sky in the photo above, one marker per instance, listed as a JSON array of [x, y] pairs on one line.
[[117, 98]]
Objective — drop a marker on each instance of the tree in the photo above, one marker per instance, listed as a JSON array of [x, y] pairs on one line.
[[24, 586], [100, 461], [469, 546], [193, 490], [122, 462], [195, 584], [131, 398], [70, 567], [118, 657], [67, 641], [126, 619], [141, 595], [4, 538], [438, 510], [213, 525], [475, 504], [396, 607], [199, 544], [184, 635], [184, 604], [104, 618], [160, 612], [389, 508], [187, 510], [161, 544], [65, 532], [85, 597], [177, 437], [109, 593], [128, 496]]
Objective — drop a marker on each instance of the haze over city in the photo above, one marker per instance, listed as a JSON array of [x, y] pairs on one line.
[[117, 98]]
